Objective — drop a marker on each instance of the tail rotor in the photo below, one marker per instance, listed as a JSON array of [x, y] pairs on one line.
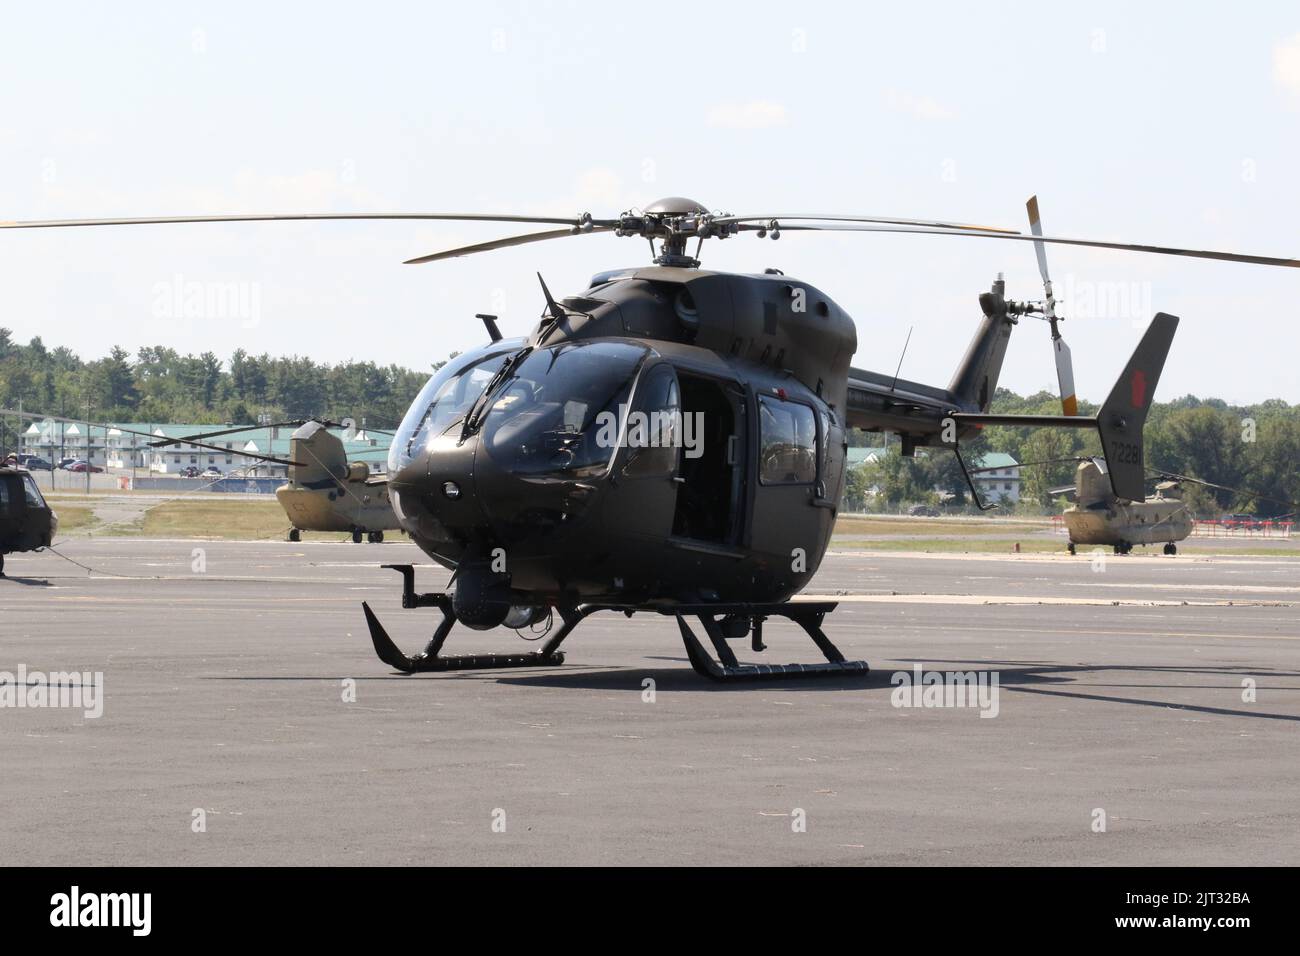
[[1061, 351]]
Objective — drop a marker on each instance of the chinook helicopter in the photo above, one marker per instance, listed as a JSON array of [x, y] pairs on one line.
[[672, 440], [325, 491], [1099, 517]]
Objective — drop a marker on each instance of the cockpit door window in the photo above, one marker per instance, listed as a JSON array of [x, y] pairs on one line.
[[652, 432]]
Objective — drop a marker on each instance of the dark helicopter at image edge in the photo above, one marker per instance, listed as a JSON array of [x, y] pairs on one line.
[[27, 523], [673, 440]]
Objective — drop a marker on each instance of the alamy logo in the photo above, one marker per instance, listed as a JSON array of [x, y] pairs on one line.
[[658, 429], [918, 688], [102, 909], [82, 690]]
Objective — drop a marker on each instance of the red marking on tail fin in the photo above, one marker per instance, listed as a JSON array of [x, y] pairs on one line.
[[1139, 387]]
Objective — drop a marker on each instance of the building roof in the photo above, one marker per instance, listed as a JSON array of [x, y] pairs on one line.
[[996, 459], [858, 456]]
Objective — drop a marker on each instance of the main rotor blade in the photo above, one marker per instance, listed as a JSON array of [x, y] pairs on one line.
[[290, 217], [504, 243], [891, 220], [1057, 240]]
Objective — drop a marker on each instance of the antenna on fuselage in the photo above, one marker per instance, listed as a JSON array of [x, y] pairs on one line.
[[556, 310], [490, 323], [906, 341]]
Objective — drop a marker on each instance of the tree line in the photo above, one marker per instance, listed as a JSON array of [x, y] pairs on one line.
[[159, 384]]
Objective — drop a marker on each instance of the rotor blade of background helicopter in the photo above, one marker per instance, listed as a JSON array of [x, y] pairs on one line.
[[292, 217], [161, 443], [75, 421], [1169, 475], [131, 431], [243, 454], [504, 243], [1055, 240], [891, 220]]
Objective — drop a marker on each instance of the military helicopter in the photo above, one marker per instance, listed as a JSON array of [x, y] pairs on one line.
[[672, 440], [1099, 517], [27, 523], [325, 491]]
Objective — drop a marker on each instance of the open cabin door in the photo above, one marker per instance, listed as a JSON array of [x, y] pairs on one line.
[[711, 497]]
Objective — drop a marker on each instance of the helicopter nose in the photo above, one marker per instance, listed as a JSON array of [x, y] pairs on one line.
[[433, 494]]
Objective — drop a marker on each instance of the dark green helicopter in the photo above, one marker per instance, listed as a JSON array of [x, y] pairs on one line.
[[27, 523], [673, 440]]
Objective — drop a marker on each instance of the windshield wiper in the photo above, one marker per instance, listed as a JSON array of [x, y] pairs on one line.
[[474, 420]]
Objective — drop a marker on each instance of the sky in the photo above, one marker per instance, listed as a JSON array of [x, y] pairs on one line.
[[1172, 123]]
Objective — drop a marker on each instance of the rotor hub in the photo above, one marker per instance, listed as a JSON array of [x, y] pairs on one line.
[[674, 220]]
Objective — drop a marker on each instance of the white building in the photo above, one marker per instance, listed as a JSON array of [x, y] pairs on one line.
[[1002, 482]]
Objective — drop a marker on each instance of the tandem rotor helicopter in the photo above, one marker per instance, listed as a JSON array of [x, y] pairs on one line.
[[508, 471], [325, 491]]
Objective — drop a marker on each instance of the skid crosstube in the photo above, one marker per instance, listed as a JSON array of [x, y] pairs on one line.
[[808, 615]]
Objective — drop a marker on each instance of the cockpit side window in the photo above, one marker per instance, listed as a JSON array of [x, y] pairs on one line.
[[788, 442]]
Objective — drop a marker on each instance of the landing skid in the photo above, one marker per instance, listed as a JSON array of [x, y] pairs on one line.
[[808, 615], [712, 617]]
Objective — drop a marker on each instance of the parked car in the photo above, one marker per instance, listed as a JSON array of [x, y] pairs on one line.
[[81, 467], [34, 463], [923, 511], [65, 462], [211, 472], [189, 471], [1242, 521]]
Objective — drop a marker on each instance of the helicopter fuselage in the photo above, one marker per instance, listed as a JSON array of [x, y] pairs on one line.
[[26, 522], [648, 443], [1099, 517]]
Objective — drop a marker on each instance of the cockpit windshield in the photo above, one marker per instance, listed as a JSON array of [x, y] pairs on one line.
[[32, 493], [444, 400], [546, 417]]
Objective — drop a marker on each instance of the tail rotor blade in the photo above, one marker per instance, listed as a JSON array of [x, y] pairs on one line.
[[1065, 376], [1040, 250], [1060, 351]]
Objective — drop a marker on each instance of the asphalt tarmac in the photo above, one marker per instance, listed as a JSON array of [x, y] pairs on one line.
[[1147, 712]]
